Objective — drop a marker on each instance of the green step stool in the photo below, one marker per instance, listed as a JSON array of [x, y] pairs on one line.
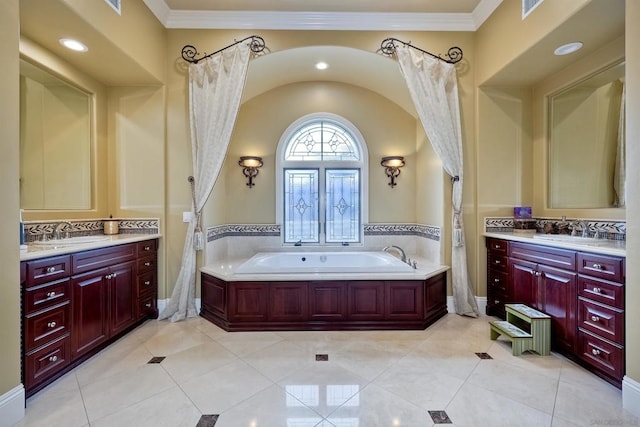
[[537, 340]]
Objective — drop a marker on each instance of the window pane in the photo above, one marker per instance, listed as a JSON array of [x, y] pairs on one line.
[[343, 205], [301, 205], [321, 140]]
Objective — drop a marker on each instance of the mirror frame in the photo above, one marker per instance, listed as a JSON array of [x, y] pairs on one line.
[[549, 111], [50, 63]]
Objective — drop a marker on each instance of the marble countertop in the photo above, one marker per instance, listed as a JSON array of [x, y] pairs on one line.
[[41, 251], [605, 247], [225, 271]]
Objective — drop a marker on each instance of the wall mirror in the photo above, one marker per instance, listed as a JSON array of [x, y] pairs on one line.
[[586, 142], [55, 142]]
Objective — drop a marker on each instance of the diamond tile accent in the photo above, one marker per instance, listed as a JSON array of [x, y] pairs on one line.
[[440, 417], [207, 421], [156, 359], [484, 356], [322, 357]]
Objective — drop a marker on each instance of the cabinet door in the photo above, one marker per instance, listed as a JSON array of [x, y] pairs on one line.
[[365, 300], [288, 301], [405, 300], [90, 311], [123, 297], [248, 301], [213, 293], [558, 289], [327, 300], [523, 287]]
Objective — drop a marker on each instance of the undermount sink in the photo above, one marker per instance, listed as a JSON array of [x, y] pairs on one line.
[[576, 240], [71, 241]]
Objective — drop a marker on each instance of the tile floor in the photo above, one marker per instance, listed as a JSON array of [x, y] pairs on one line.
[[371, 378]]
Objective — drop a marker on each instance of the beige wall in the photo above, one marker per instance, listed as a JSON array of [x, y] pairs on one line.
[[632, 313], [9, 214], [386, 128]]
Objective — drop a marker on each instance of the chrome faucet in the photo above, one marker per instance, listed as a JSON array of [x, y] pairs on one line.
[[403, 256], [585, 229], [58, 230]]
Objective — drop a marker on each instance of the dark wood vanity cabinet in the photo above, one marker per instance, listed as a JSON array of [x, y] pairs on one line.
[[323, 305], [581, 291], [75, 304]]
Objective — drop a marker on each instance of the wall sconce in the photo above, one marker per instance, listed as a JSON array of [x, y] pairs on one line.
[[392, 165], [250, 166]]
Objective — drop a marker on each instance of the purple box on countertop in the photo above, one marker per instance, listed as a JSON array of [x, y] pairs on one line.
[[521, 212]]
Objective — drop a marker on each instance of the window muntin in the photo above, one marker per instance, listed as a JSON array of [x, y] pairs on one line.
[[322, 181], [322, 140]]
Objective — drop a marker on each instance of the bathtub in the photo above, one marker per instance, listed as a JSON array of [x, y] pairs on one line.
[[322, 262]]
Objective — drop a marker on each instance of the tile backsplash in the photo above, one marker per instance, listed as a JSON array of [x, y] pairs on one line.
[[35, 229], [612, 230]]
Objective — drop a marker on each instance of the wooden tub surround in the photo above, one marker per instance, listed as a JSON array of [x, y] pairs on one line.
[[323, 304]]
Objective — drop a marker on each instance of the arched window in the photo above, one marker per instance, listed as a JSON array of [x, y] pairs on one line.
[[321, 181]]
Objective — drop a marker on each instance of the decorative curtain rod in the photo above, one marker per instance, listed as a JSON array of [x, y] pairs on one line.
[[190, 53], [388, 47]]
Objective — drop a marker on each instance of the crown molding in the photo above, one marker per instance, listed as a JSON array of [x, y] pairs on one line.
[[332, 21]]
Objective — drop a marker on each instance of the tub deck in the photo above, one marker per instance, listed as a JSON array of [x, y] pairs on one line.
[[323, 300]]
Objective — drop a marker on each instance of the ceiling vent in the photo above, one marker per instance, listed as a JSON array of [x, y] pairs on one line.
[[116, 5], [528, 6]]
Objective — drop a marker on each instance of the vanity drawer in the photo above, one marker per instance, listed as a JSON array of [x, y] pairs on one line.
[[553, 257], [40, 297], [105, 257], [497, 245], [602, 266], [497, 262], [147, 306], [601, 319], [603, 355], [609, 293], [146, 283], [48, 269], [47, 325], [46, 361], [147, 247], [497, 280], [147, 264]]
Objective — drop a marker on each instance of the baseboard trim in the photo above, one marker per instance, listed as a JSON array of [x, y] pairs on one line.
[[631, 395], [481, 301], [162, 304], [12, 406]]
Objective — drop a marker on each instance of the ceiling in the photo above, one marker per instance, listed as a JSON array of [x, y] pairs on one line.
[[600, 21], [406, 15]]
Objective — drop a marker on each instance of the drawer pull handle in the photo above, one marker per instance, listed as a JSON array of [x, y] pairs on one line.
[[597, 290], [595, 318], [53, 358], [496, 280], [595, 352], [108, 276], [147, 264], [497, 301], [497, 247], [147, 248], [52, 325], [148, 305], [51, 294], [497, 261], [51, 269], [598, 266], [147, 282]]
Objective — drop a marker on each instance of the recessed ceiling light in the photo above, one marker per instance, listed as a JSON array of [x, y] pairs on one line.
[[74, 45], [568, 48], [322, 65]]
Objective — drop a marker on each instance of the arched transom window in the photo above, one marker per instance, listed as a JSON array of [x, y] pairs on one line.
[[321, 164]]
